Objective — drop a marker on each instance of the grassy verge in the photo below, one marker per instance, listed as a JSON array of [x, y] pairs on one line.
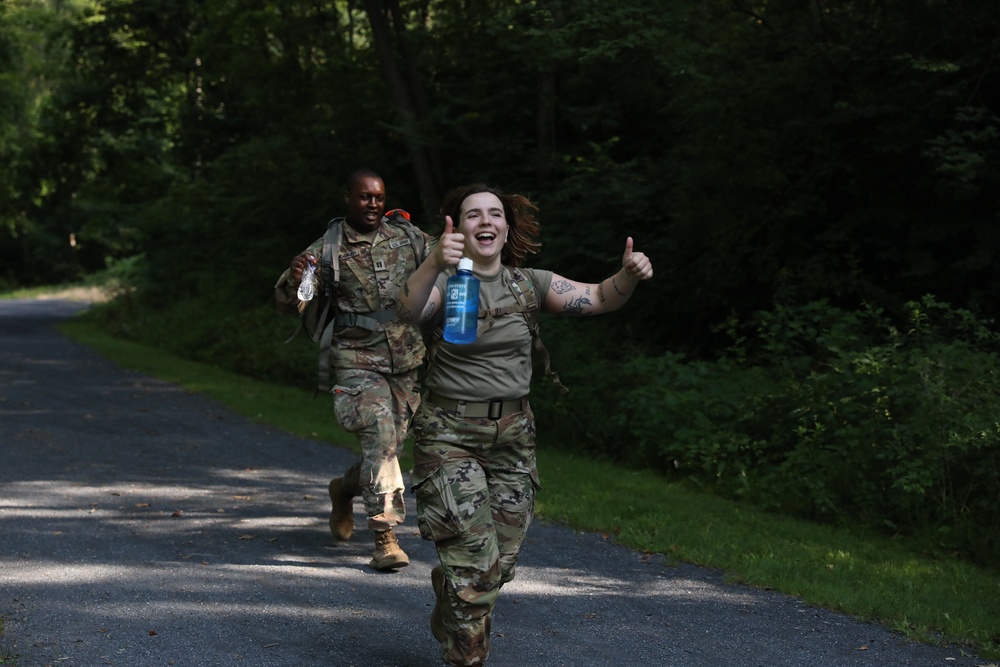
[[7, 655], [866, 576]]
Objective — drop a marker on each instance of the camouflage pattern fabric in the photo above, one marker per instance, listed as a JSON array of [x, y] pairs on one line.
[[370, 272], [475, 481], [375, 370], [377, 408]]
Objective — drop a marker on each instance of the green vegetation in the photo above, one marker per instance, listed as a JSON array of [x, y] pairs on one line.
[[814, 182], [7, 655], [860, 418], [856, 418], [893, 581]]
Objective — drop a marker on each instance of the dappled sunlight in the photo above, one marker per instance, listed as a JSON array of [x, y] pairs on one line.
[[7, 412], [271, 522], [142, 524], [169, 576], [272, 475], [531, 581], [41, 493]]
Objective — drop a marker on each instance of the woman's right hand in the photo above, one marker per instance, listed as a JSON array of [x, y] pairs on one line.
[[450, 246]]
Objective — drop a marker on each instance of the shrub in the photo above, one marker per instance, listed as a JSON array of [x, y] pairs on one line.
[[837, 416]]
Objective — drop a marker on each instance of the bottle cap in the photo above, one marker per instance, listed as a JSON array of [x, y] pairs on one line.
[[465, 264]]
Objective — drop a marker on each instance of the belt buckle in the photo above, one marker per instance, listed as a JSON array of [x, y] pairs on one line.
[[495, 409]]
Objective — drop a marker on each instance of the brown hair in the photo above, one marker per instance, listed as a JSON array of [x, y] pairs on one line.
[[517, 209]]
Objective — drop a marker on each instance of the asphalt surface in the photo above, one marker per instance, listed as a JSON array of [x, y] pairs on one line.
[[142, 525]]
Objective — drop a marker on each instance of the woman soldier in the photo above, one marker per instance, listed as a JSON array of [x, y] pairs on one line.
[[474, 474]]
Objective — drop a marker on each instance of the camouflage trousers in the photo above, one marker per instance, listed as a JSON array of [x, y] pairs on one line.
[[378, 408], [474, 480]]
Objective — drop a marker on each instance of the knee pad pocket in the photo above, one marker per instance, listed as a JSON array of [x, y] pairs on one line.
[[447, 510]]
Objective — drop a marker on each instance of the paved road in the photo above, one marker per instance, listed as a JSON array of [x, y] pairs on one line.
[[141, 525]]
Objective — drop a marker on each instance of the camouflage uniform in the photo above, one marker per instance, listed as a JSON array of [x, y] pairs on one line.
[[475, 477], [475, 482], [376, 370]]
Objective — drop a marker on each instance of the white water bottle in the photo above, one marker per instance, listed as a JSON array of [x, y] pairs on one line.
[[461, 305], [307, 288]]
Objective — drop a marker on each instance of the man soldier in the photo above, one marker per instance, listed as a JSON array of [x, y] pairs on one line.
[[375, 357]]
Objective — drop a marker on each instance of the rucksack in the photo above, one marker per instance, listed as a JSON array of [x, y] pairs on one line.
[[523, 289], [319, 317]]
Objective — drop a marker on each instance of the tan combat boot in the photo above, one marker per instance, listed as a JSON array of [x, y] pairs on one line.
[[387, 554], [342, 492]]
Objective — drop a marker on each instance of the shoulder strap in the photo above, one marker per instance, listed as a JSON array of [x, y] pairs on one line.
[[330, 257], [524, 291], [401, 219], [330, 280], [329, 272], [527, 302]]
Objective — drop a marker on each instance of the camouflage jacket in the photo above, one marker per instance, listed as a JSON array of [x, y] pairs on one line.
[[371, 271]]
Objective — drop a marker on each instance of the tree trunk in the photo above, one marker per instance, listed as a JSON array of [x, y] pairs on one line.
[[378, 12], [545, 119]]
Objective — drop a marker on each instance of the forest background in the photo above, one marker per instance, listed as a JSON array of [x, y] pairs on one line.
[[816, 182]]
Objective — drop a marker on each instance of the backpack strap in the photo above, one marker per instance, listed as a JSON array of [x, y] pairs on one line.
[[329, 262], [323, 367], [527, 297], [329, 280], [401, 219], [368, 321]]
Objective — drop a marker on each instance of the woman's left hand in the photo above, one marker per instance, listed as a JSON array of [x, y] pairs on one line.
[[636, 264]]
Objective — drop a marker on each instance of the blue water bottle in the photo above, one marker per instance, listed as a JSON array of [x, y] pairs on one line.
[[461, 305]]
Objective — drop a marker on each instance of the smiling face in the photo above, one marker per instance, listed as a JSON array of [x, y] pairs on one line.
[[484, 225], [365, 201]]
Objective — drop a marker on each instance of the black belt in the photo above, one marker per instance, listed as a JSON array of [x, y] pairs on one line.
[[492, 409]]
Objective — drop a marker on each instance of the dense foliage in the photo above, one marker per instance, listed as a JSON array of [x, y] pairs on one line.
[[851, 417], [783, 162]]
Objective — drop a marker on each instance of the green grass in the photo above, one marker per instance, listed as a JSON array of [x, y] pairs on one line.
[[7, 654], [867, 576]]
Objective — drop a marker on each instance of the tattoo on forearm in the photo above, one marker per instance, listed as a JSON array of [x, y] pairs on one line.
[[406, 288], [600, 293], [428, 311], [576, 306], [615, 285], [561, 286]]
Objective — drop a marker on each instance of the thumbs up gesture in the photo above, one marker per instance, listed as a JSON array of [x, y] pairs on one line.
[[636, 264], [450, 246]]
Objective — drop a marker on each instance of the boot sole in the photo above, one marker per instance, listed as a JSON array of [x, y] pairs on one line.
[[393, 564]]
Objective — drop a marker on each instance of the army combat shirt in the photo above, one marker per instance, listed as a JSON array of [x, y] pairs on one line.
[[372, 267], [497, 365]]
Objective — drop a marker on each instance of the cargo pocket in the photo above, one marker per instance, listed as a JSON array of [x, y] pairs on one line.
[[345, 407], [437, 511]]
